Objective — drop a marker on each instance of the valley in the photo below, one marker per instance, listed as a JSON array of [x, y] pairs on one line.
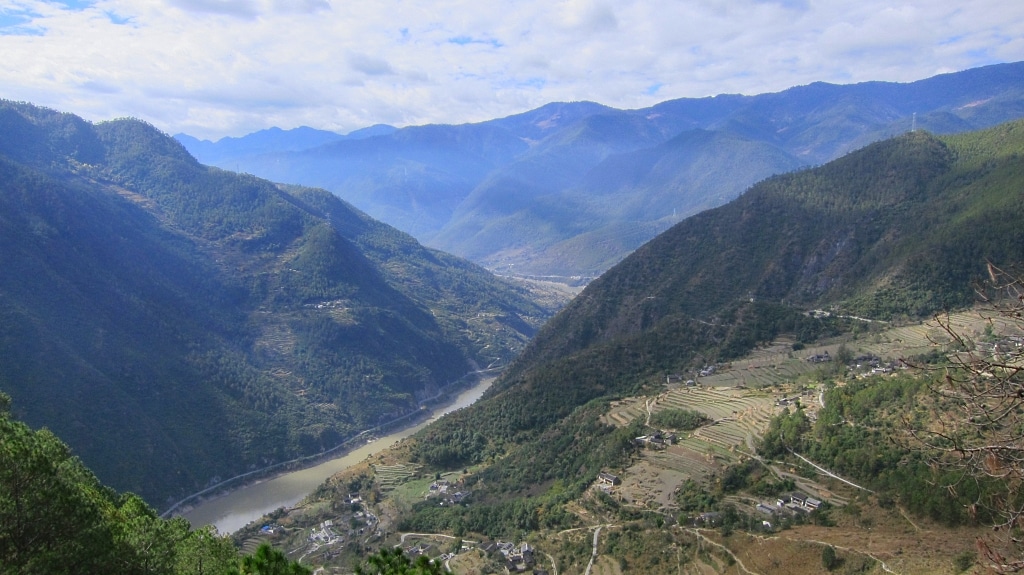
[[233, 324], [230, 510], [782, 319], [640, 507], [756, 389]]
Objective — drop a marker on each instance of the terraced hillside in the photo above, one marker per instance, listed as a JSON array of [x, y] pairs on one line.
[[739, 416], [615, 528], [741, 397]]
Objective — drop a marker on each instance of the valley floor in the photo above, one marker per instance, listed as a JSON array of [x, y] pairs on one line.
[[633, 522]]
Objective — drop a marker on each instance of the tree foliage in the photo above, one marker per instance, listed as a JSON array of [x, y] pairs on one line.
[[829, 560], [396, 562], [679, 419], [861, 434], [983, 444], [267, 561], [56, 517]]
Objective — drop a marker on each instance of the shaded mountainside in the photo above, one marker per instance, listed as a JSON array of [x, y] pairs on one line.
[[571, 188], [175, 323], [899, 228]]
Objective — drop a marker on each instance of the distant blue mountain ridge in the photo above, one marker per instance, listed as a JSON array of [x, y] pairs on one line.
[[569, 189], [272, 140]]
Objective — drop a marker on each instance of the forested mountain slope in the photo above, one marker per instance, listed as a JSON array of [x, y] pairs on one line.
[[571, 188], [175, 323], [899, 228]]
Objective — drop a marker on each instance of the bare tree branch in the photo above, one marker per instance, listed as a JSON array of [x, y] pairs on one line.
[[979, 425]]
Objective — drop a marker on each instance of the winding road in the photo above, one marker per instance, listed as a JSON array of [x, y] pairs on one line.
[[593, 554]]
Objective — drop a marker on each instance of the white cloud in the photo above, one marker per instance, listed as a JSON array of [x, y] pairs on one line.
[[240, 8], [229, 67]]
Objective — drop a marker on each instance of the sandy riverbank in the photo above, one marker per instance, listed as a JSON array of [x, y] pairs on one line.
[[233, 509]]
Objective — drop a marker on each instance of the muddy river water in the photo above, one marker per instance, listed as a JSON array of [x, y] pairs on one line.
[[234, 510]]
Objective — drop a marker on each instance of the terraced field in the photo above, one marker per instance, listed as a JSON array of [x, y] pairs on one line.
[[687, 460], [391, 476], [741, 399], [775, 365], [740, 416], [778, 364], [625, 411]]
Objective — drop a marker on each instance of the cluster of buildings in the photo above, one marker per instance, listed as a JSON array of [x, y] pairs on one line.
[[819, 357], [418, 549], [518, 558], [789, 504], [874, 365], [867, 363], [324, 534], [705, 371], [707, 519], [334, 531], [1006, 349], [794, 399], [448, 493], [656, 440]]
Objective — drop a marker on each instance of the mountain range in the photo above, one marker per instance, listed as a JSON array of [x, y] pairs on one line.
[[829, 257], [898, 230], [569, 189], [176, 324]]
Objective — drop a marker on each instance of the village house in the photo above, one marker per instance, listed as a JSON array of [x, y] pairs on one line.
[[787, 400], [798, 502], [656, 440], [439, 487], [519, 558], [709, 519], [820, 358]]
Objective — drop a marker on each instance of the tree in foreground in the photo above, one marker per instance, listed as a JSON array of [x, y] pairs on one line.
[[268, 561], [57, 518], [983, 386], [395, 562]]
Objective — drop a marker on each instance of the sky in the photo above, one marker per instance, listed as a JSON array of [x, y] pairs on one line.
[[215, 68]]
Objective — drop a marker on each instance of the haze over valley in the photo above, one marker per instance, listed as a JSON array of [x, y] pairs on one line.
[[569, 189], [702, 288]]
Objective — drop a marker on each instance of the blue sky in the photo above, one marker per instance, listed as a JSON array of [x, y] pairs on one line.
[[214, 68]]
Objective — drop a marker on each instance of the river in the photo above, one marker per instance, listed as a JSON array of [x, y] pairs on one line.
[[232, 511]]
